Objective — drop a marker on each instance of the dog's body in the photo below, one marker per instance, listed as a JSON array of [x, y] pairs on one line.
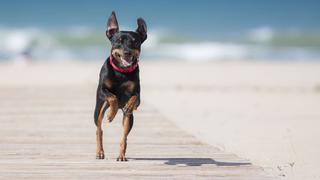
[[119, 83]]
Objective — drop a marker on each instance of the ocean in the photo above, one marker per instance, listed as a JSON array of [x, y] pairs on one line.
[[202, 30]]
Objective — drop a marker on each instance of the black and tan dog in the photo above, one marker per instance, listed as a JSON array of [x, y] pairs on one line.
[[119, 83]]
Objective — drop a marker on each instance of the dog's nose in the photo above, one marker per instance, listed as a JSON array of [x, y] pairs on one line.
[[127, 53]]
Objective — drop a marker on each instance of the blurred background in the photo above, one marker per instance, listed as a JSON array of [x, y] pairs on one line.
[[244, 97], [184, 30]]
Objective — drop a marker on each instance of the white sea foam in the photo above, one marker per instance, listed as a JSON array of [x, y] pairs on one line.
[[86, 43], [207, 51], [193, 51]]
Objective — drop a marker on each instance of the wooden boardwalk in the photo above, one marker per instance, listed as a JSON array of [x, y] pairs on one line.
[[48, 133]]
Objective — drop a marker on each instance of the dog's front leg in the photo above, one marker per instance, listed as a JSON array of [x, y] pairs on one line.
[[127, 125], [112, 103], [132, 104]]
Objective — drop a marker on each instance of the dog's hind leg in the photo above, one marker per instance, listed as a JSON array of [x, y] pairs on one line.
[[101, 107], [127, 126]]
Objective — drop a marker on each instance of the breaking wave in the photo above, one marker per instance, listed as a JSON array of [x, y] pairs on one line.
[[82, 43]]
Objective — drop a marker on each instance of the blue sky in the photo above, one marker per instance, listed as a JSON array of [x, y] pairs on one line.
[[191, 16]]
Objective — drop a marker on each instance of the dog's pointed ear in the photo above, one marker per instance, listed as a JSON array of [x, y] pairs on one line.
[[142, 29], [112, 25]]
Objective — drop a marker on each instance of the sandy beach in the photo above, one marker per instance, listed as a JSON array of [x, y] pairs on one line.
[[266, 112]]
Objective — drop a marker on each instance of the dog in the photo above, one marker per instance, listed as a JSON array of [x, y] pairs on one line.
[[119, 81]]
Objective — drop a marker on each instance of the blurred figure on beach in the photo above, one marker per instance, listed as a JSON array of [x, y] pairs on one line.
[[16, 46]]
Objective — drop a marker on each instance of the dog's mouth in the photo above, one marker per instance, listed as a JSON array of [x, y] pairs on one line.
[[125, 60]]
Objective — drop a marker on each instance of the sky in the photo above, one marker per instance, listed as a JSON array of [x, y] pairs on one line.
[[191, 16]]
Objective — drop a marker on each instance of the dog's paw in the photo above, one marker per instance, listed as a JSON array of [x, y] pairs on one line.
[[127, 109], [131, 105], [100, 155], [122, 158]]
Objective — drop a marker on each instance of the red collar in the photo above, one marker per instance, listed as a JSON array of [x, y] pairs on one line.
[[123, 70]]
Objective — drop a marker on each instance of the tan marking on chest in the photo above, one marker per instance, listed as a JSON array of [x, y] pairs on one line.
[[129, 86]]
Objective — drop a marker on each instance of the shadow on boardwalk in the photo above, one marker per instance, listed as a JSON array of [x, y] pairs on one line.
[[193, 161]]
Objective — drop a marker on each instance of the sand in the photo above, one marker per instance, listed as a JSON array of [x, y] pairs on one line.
[[267, 112]]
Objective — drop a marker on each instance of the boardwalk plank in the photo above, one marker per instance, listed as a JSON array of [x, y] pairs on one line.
[[48, 133]]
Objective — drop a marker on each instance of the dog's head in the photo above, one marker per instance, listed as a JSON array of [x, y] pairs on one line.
[[126, 45]]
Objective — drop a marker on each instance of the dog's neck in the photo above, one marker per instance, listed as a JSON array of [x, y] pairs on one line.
[[123, 70]]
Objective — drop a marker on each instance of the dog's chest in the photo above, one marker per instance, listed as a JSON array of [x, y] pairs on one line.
[[120, 87], [127, 87]]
